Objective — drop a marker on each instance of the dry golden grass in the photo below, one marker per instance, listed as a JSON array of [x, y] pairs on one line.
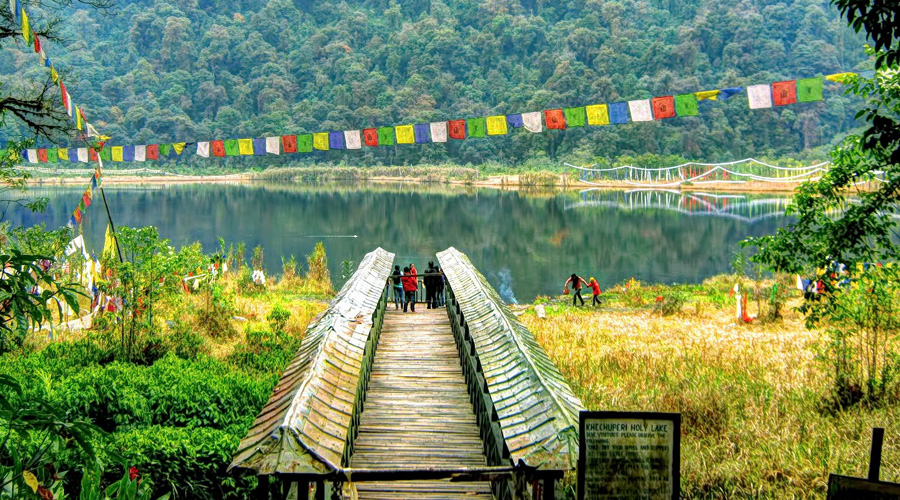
[[755, 421]]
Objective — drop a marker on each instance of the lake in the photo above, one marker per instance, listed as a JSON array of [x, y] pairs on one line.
[[527, 244]]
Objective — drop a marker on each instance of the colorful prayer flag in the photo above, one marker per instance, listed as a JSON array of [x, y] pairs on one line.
[[140, 153], [663, 107], [259, 146], [86, 197], [353, 139], [203, 149], [515, 120], [810, 89], [575, 117], [273, 145], [78, 118], [127, 153], [438, 131], [618, 113], [26, 27], [232, 148], [555, 119], [730, 91], [31, 155], [532, 122], [52, 155], [178, 147], [289, 143], [65, 96], [597, 114], [784, 93], [712, 95], [457, 129], [218, 148], [386, 136], [77, 214], [165, 150], [370, 136], [63, 154], [73, 155], [42, 155], [153, 151], [92, 154], [37, 45], [759, 96], [839, 77], [336, 140], [496, 125], [245, 147], [476, 127], [421, 132], [106, 154], [640, 110], [304, 143], [320, 141], [405, 134], [686, 105]]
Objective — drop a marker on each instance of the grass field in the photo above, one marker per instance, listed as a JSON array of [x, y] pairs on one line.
[[755, 418]]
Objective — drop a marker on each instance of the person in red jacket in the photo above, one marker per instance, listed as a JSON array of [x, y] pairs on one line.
[[409, 289], [595, 289], [576, 287]]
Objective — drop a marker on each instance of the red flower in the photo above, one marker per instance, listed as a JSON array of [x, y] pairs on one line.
[[133, 473], [44, 493], [659, 298]]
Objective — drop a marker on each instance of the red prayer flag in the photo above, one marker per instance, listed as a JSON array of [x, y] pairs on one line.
[[289, 143], [37, 44], [42, 155], [370, 135], [784, 93], [86, 198], [62, 89], [663, 107], [218, 148], [555, 119], [152, 151], [77, 215], [92, 154], [457, 129]]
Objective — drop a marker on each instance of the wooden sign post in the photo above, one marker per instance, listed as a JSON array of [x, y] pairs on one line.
[[871, 488], [629, 456]]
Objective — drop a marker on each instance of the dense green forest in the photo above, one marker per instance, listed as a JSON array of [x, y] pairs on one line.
[[151, 71]]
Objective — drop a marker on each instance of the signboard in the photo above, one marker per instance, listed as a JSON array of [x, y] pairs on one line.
[[854, 488], [629, 456]]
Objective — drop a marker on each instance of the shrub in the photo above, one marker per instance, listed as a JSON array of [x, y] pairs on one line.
[[278, 317], [668, 303], [264, 351]]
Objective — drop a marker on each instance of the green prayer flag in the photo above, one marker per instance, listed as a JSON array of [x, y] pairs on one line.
[[686, 105], [304, 143], [385, 136], [105, 154], [164, 150], [52, 156], [231, 148], [477, 127], [574, 116], [809, 89]]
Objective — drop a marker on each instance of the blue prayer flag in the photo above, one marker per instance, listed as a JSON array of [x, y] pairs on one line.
[[726, 93], [73, 155], [128, 153], [17, 15], [514, 121], [259, 146], [618, 112], [422, 132], [335, 140]]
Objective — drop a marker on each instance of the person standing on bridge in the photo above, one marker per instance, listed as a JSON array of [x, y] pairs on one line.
[[576, 287], [409, 288], [430, 282], [398, 288]]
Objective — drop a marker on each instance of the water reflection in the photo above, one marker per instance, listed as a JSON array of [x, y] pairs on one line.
[[526, 244]]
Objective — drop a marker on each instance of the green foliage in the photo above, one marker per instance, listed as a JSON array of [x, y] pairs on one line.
[[265, 351], [278, 317], [317, 262], [258, 261], [215, 318], [289, 268], [668, 303]]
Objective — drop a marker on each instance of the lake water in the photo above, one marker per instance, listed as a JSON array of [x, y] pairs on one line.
[[526, 244]]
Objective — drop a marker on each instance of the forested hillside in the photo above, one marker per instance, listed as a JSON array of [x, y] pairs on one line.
[[193, 70]]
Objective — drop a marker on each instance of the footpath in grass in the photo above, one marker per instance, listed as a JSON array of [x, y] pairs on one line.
[[753, 397]]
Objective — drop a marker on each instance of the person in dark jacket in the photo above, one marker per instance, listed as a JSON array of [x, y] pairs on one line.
[[576, 281], [430, 286], [440, 286], [398, 288], [409, 289]]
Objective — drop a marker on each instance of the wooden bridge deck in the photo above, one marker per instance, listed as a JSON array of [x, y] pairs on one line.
[[417, 412]]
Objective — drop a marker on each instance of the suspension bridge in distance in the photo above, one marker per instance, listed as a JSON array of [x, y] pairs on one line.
[[458, 402]]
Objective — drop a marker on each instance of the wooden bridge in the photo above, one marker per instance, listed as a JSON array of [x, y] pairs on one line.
[[448, 403]]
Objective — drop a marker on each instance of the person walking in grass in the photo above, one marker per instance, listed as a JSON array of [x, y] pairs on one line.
[[409, 289], [576, 281], [595, 289]]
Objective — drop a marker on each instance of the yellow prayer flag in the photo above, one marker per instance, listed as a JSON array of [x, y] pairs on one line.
[[54, 75], [77, 118], [179, 146], [320, 141], [109, 245], [62, 154], [597, 114], [117, 153], [712, 95], [405, 134], [838, 77], [496, 125], [245, 146], [26, 27]]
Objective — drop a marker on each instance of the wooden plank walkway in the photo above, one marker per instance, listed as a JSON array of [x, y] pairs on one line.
[[417, 412]]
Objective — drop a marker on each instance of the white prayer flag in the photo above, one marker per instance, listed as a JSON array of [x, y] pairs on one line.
[[640, 110], [12, 8], [70, 108], [273, 145], [82, 155], [532, 122], [140, 153], [438, 131], [203, 149], [760, 96], [31, 155], [43, 57], [352, 139]]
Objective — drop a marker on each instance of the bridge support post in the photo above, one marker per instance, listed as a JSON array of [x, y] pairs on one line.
[[320, 489], [549, 488], [262, 488]]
